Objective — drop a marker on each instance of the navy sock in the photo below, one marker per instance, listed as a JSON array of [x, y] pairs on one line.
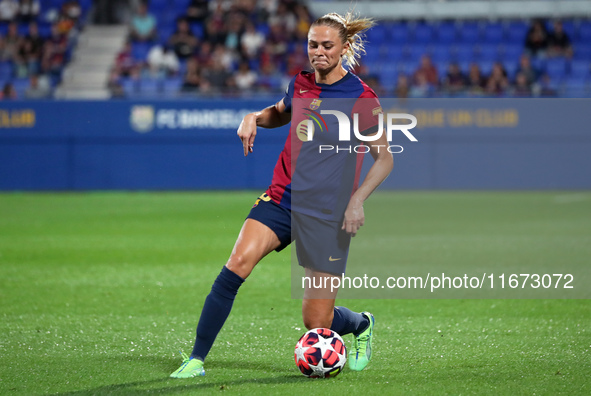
[[346, 321], [216, 309]]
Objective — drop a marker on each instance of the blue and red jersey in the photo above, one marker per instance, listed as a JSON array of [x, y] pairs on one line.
[[318, 182]]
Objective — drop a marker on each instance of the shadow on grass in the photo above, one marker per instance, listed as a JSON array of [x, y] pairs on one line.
[[207, 383], [181, 385]]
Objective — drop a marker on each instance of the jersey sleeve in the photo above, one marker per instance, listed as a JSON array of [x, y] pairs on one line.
[[368, 108], [289, 95]]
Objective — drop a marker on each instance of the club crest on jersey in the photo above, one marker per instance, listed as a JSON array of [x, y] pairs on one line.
[[315, 104]]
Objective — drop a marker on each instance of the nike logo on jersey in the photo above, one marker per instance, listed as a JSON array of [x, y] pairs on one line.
[[333, 259], [303, 91]]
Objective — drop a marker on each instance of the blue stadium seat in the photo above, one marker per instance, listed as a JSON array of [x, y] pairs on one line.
[[377, 35], [388, 73], [516, 32], [415, 51], [20, 86], [407, 68], [464, 53], [149, 87], [399, 33], [423, 34], [172, 86], [493, 33], [44, 29], [446, 33], [158, 6], [582, 52], [511, 69], [575, 88], [469, 32], [197, 29], [488, 52], [570, 29], [440, 53], [486, 67], [511, 52], [139, 51], [556, 68], [6, 70], [129, 87], [580, 69], [391, 53], [585, 31]]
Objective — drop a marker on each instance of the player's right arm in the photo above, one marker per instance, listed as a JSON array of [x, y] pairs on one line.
[[270, 117]]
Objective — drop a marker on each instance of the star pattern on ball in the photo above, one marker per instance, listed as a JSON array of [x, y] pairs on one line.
[[318, 370], [324, 345], [300, 350]]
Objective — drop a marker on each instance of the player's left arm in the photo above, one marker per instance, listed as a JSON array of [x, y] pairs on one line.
[[381, 168]]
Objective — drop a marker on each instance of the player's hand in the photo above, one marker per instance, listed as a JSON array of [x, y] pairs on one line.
[[354, 218], [247, 131]]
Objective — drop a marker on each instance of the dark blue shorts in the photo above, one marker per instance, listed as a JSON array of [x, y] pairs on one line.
[[321, 245]]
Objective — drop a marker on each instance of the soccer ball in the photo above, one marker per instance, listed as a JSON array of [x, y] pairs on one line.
[[320, 353]]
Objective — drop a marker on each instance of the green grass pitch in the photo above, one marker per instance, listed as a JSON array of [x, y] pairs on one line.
[[99, 292]]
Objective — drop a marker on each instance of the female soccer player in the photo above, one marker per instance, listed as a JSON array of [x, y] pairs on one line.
[[269, 227]]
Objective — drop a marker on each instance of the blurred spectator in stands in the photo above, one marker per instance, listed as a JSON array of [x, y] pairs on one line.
[[297, 60], [536, 40], [32, 49], [245, 78], [198, 10], [426, 69], [476, 81], [546, 87], [269, 79], [526, 68], [12, 42], [143, 25], [251, 41], [522, 87], [222, 57], [454, 80], [8, 92], [162, 62], [284, 19], [114, 84], [28, 10], [214, 33], [8, 10], [67, 21], [204, 54], [374, 83], [217, 74], [421, 88], [3, 54], [183, 41], [402, 88], [193, 79], [277, 42], [124, 62], [304, 20], [234, 30], [497, 83], [559, 43], [54, 52], [39, 88]]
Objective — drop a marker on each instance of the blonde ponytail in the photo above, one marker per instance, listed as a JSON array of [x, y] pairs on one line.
[[351, 30]]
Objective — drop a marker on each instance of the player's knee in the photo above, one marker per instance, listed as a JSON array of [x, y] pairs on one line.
[[240, 264]]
